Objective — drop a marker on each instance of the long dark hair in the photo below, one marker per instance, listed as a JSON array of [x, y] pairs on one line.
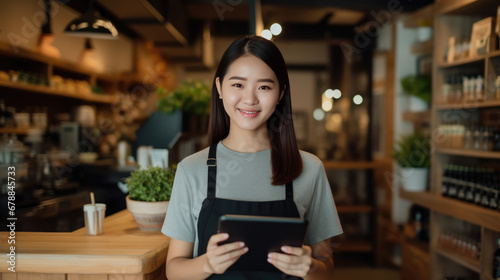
[[285, 156]]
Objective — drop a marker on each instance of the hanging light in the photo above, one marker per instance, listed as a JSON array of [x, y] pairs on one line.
[[92, 25]]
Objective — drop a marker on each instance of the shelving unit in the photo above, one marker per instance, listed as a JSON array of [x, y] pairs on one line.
[[451, 18], [90, 97], [357, 211], [79, 85], [471, 264]]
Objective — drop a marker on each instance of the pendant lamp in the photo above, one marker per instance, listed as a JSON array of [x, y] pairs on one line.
[[92, 25]]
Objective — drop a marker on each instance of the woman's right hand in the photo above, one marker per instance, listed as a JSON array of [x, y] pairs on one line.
[[220, 258]]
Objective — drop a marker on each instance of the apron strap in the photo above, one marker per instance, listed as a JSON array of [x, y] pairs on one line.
[[289, 191], [212, 171]]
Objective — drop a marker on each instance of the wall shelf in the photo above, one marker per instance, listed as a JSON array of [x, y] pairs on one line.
[[471, 264], [417, 116], [471, 213], [14, 130], [495, 53], [49, 91], [469, 153], [459, 106], [462, 62], [422, 48]]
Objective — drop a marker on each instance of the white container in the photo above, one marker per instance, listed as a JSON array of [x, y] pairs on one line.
[[417, 105], [123, 153], [143, 156], [424, 33], [414, 179]]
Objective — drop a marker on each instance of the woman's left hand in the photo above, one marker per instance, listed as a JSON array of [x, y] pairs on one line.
[[296, 261]]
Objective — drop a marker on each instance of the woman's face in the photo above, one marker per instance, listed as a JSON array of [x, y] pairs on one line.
[[250, 93]]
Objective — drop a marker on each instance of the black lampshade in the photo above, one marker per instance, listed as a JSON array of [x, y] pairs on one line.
[[92, 25]]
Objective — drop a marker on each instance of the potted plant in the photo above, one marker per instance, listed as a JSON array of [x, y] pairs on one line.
[[192, 97], [419, 87], [413, 155], [149, 195]]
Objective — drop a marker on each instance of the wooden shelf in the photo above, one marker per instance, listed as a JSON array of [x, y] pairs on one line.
[[468, 7], [349, 164], [461, 62], [417, 116], [469, 153], [14, 130], [49, 91], [422, 48], [354, 246], [471, 213], [471, 264], [475, 105], [354, 208], [494, 54]]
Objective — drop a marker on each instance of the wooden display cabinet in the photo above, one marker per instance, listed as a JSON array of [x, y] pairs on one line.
[[455, 18]]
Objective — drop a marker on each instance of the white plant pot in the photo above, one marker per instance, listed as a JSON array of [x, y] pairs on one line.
[[415, 179], [424, 33], [148, 215], [417, 105]]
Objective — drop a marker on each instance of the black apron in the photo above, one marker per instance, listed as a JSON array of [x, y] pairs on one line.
[[212, 208]]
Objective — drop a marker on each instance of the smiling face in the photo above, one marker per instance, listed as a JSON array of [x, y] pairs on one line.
[[250, 92]]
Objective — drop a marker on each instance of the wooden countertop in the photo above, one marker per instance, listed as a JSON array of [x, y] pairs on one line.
[[121, 249]]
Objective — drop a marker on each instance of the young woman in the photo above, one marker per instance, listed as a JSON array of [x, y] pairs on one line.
[[253, 167]]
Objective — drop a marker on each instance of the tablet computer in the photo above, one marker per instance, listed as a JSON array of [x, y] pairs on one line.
[[261, 235]]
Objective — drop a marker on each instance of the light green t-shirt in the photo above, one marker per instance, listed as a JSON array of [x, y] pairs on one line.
[[247, 177]]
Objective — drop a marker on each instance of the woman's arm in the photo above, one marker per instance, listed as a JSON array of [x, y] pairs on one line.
[[311, 263], [181, 264]]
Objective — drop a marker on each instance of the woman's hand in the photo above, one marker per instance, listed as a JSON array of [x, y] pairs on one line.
[[296, 262], [220, 258]]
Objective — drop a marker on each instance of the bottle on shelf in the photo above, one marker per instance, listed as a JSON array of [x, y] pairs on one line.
[[479, 186], [461, 188], [479, 89], [496, 262], [446, 180], [494, 189], [469, 189]]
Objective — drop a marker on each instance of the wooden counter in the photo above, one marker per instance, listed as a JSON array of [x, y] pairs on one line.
[[122, 252]]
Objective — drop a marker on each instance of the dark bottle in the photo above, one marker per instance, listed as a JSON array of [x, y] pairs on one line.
[[496, 262], [452, 189], [462, 184], [446, 180], [471, 178], [485, 194], [496, 140], [494, 189], [479, 187]]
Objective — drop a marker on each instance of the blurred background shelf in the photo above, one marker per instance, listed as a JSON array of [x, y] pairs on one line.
[[471, 264], [471, 213]]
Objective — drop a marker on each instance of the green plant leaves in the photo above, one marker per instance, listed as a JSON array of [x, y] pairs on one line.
[[191, 96], [152, 184], [418, 85], [413, 151]]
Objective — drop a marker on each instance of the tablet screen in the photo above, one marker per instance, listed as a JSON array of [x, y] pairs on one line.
[[261, 235]]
